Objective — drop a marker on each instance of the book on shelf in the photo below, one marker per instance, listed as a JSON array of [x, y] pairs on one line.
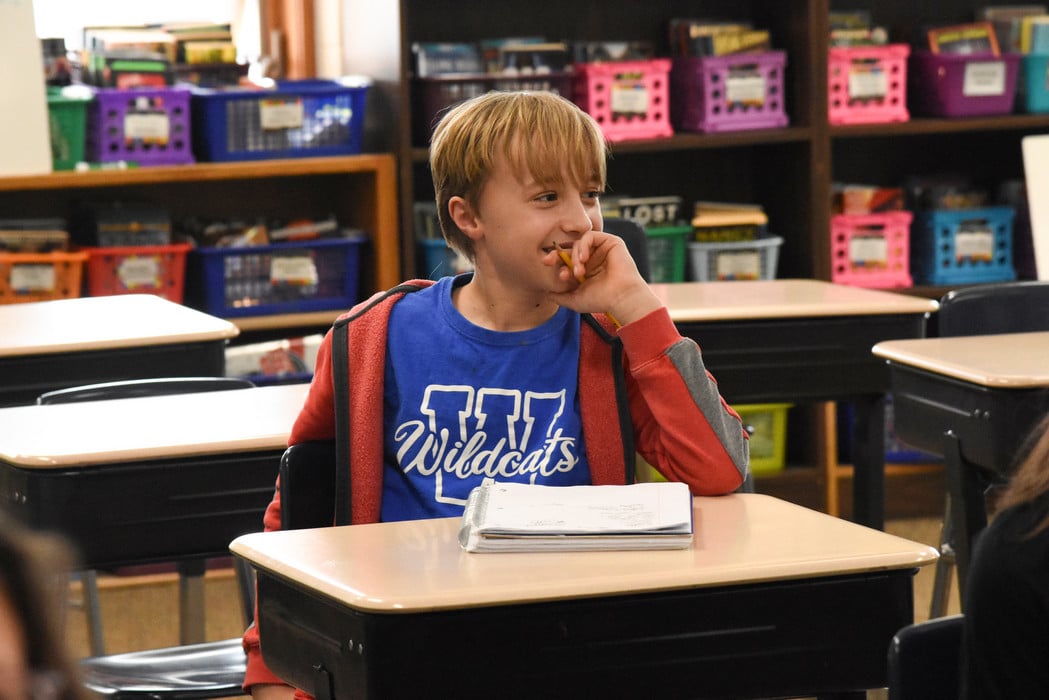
[[514, 517]]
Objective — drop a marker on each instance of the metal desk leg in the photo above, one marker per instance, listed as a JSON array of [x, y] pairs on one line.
[[191, 601], [941, 586], [868, 461], [967, 512]]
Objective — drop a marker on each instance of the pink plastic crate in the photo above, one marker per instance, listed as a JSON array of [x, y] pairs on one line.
[[955, 85], [629, 99], [728, 93], [867, 84], [871, 250], [148, 126]]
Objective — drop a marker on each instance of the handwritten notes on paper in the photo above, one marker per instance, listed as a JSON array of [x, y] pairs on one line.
[[512, 517]]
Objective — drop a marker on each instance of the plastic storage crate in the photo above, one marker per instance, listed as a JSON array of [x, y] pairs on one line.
[[896, 451], [148, 126], [963, 246], [628, 99], [735, 260], [871, 250], [436, 94], [728, 93], [159, 270], [298, 118], [40, 276], [1033, 83], [957, 85], [666, 252], [867, 84], [67, 119], [768, 441], [279, 278]]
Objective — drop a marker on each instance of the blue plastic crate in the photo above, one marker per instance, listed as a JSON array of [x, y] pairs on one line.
[[292, 277], [298, 118], [963, 246]]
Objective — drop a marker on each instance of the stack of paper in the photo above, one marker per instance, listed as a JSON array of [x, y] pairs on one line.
[[512, 517]]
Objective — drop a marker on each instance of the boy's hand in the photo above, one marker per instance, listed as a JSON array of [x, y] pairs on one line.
[[607, 280]]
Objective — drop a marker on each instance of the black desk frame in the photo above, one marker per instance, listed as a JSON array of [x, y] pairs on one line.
[[822, 636], [976, 429], [817, 358]]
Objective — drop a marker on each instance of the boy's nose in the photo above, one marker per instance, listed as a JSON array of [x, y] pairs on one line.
[[577, 220]]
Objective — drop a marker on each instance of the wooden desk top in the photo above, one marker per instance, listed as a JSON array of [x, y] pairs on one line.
[[104, 323], [418, 566], [124, 430], [1008, 360], [733, 301]]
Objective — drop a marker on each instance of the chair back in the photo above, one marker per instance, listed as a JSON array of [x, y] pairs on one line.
[[988, 309], [925, 660], [307, 485], [633, 234], [137, 388]]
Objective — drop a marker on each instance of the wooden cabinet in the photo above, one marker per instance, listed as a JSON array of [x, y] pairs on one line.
[[789, 170], [360, 191]]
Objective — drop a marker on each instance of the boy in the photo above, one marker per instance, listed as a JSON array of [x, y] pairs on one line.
[[502, 372]]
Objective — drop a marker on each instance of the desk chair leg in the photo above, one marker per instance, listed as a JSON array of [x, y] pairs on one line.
[[868, 468], [191, 601], [92, 610], [941, 586], [246, 582]]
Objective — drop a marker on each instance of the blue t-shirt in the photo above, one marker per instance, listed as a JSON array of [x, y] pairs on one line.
[[463, 403]]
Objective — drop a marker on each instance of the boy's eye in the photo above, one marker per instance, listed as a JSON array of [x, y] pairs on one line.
[[594, 194], [547, 197]]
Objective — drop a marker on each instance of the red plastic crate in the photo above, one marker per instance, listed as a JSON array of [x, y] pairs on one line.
[[152, 269], [956, 85], [629, 99], [871, 250], [867, 84], [40, 276], [148, 126], [728, 93]]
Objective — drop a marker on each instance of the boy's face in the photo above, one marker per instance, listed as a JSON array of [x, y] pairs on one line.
[[521, 220]]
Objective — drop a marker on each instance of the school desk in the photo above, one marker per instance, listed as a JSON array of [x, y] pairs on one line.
[[50, 345], [804, 340], [973, 400], [142, 480], [770, 599]]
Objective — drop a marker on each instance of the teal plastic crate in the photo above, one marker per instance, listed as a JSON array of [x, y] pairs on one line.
[[963, 246]]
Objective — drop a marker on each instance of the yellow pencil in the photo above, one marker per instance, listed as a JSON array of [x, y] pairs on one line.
[[567, 259]]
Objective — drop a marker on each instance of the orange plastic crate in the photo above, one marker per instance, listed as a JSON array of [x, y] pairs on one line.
[[151, 269], [40, 276]]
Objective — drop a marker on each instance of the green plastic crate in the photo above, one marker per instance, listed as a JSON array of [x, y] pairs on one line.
[[667, 247], [768, 443], [67, 118]]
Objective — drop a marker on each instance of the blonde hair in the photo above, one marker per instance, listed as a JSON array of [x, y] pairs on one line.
[[539, 133]]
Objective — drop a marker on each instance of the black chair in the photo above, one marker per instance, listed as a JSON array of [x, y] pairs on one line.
[[184, 672], [633, 234], [986, 309], [307, 485], [925, 660]]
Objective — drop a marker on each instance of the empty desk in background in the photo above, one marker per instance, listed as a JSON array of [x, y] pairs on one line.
[[771, 599], [973, 400], [50, 345], [804, 340], [136, 481]]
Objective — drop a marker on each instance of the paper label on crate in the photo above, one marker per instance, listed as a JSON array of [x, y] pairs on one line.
[[974, 245], [984, 78], [745, 88], [297, 270], [743, 265], [32, 278], [147, 127], [629, 94], [281, 114], [139, 271], [868, 251], [867, 80]]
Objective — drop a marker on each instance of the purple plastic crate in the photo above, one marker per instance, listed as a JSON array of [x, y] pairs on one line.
[[148, 126], [728, 93], [959, 85]]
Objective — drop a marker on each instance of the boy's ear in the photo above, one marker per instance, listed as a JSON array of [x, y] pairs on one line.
[[464, 217]]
